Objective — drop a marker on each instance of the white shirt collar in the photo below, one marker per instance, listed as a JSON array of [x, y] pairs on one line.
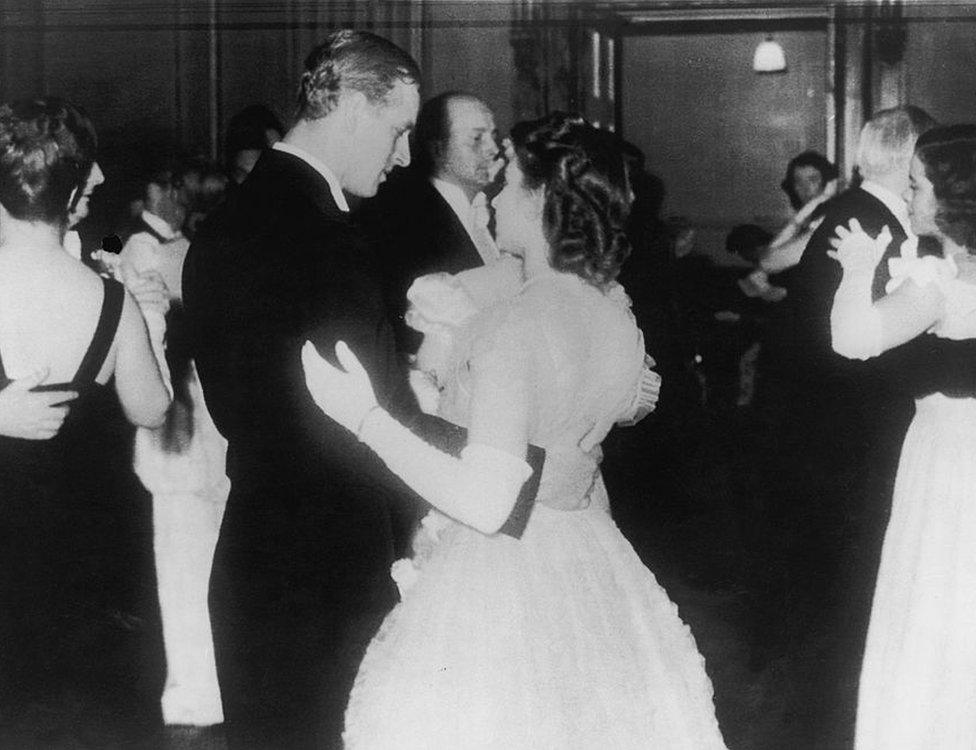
[[468, 213], [894, 203], [319, 166], [455, 198], [160, 226]]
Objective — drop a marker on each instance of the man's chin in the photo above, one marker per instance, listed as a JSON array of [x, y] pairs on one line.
[[374, 188], [362, 192]]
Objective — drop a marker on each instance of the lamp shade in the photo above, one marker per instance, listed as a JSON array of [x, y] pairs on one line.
[[769, 57]]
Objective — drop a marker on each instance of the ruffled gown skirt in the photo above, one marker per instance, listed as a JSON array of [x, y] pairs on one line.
[[918, 682], [562, 639]]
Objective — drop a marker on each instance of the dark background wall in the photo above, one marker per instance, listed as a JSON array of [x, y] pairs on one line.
[[161, 74], [173, 73], [940, 62], [718, 134]]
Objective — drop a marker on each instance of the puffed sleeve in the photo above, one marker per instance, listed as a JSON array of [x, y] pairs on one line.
[[923, 270], [438, 306]]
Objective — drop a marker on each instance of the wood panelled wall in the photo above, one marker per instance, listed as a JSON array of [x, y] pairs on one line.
[[169, 73], [172, 72]]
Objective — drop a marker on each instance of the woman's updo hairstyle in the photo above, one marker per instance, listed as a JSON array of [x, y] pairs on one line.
[[41, 159], [587, 193], [949, 156]]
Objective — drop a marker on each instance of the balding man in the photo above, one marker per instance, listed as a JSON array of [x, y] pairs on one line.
[[436, 217]]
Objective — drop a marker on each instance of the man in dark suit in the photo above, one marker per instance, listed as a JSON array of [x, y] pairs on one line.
[[301, 578], [840, 446], [434, 216]]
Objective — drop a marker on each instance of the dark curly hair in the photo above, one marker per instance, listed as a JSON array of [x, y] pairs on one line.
[[44, 156], [83, 129], [813, 159], [587, 193], [949, 156], [352, 60]]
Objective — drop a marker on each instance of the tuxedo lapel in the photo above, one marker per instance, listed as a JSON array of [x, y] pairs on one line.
[[454, 245]]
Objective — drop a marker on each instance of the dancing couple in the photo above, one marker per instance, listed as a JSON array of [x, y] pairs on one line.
[[916, 687], [529, 625]]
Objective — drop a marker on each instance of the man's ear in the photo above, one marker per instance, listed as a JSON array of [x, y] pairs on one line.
[[351, 108]]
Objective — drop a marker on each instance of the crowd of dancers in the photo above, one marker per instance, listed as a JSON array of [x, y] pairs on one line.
[[217, 442]]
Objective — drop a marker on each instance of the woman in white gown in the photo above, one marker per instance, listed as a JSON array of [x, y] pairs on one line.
[[560, 639], [918, 680]]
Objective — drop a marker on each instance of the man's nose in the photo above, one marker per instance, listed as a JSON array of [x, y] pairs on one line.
[[401, 155]]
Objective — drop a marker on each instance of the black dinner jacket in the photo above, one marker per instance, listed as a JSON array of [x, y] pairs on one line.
[[277, 264], [416, 232], [814, 281]]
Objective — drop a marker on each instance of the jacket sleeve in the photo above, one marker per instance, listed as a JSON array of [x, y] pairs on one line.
[[930, 364]]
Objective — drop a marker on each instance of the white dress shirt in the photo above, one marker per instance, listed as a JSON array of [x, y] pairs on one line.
[[473, 216], [144, 252]]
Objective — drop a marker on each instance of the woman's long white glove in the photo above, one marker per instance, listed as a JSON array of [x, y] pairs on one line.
[[479, 489], [855, 324]]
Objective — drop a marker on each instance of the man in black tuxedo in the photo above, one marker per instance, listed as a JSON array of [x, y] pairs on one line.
[[434, 216], [847, 408], [301, 578], [840, 446]]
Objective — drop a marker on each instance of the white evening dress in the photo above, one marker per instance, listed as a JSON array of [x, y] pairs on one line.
[[561, 639], [918, 680]]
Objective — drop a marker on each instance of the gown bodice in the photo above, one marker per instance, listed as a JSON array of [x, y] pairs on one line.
[[576, 351]]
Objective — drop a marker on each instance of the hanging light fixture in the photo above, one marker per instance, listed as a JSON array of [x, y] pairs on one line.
[[769, 57]]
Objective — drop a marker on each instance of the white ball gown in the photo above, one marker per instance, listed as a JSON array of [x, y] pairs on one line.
[[560, 639], [918, 681]]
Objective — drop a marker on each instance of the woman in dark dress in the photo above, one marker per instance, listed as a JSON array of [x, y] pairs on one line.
[[72, 661]]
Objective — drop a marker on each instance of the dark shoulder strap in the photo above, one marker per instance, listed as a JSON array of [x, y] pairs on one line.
[[108, 323], [144, 227]]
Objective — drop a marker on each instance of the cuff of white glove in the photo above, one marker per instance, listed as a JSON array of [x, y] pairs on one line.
[[479, 489]]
